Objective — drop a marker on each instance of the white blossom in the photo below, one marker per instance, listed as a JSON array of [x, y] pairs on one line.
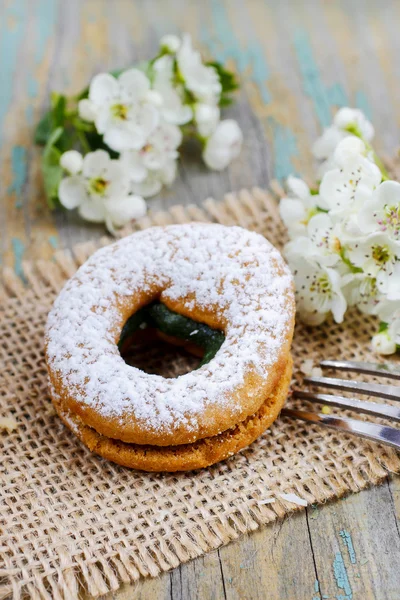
[[299, 207], [206, 117], [318, 291], [100, 191], [123, 109], [87, 110], [159, 150], [325, 236], [377, 256], [353, 119], [394, 326], [173, 110], [72, 161], [345, 241], [118, 212], [155, 180], [361, 291], [381, 212], [382, 343], [170, 43], [223, 145], [200, 79], [389, 311], [346, 122], [346, 187]]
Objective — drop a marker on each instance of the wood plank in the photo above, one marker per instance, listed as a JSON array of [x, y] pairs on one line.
[[394, 489], [356, 546], [242, 570], [277, 561]]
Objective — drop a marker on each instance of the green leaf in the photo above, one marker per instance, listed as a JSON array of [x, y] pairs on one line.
[[225, 101], [53, 118], [58, 106], [43, 129], [82, 125], [51, 168], [227, 78], [382, 327]]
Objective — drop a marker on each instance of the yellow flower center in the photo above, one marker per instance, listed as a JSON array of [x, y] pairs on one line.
[[380, 254], [98, 186], [322, 286], [120, 111], [309, 215]]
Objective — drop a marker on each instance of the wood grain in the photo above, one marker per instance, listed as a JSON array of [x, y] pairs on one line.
[[297, 62]]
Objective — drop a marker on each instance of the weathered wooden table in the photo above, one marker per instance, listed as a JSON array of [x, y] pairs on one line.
[[297, 61]]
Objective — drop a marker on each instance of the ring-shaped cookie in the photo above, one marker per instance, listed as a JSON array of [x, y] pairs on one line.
[[227, 277]]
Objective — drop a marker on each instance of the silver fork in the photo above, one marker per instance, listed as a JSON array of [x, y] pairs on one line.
[[371, 431]]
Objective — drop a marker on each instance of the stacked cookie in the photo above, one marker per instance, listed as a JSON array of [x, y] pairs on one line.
[[232, 280]]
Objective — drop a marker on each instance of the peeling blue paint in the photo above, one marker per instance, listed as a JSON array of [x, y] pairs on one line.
[[18, 249], [337, 96], [346, 537], [362, 102], [342, 579], [10, 38], [316, 589], [46, 15], [323, 98], [285, 148], [29, 114], [19, 169], [32, 87], [53, 241], [224, 46]]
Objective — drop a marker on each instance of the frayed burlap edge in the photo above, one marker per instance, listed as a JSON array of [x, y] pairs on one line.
[[104, 572]]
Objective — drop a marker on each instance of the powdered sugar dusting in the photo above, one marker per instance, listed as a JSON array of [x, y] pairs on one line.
[[229, 268]]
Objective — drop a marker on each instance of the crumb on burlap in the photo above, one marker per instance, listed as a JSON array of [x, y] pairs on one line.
[[308, 369], [8, 424]]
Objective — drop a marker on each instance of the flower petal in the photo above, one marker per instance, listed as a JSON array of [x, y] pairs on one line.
[[292, 212], [92, 210], [149, 187], [133, 164], [168, 172], [148, 116], [72, 161], [383, 344], [325, 145], [123, 210], [95, 163], [125, 136], [71, 191], [87, 110], [298, 187], [103, 88], [170, 43], [134, 84]]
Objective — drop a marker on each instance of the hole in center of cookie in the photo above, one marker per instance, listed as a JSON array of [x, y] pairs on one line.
[[159, 341], [152, 354]]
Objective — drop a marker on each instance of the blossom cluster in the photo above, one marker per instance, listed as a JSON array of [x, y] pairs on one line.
[[129, 127], [344, 247]]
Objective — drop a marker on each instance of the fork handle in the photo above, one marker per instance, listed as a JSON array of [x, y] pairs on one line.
[[371, 431]]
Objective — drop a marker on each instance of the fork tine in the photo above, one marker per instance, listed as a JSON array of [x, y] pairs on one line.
[[359, 406], [391, 392], [385, 370], [371, 431]]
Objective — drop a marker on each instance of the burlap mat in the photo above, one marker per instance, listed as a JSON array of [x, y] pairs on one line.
[[71, 520]]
